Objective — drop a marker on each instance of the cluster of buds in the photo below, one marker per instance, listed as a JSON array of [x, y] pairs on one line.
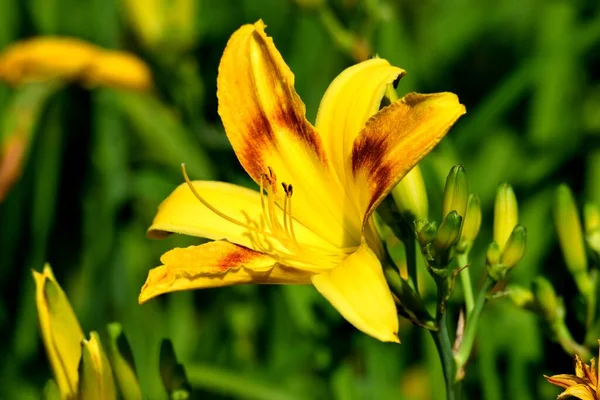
[[84, 368]]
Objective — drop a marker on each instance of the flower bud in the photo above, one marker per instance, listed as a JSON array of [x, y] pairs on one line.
[[60, 331], [95, 374], [493, 254], [425, 231], [449, 231], [456, 192], [472, 221], [591, 218], [548, 303], [570, 237], [122, 363], [506, 214], [410, 194], [515, 247]]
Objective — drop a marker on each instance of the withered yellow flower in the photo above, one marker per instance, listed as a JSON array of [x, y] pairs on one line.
[[583, 385], [310, 221], [60, 330], [45, 58]]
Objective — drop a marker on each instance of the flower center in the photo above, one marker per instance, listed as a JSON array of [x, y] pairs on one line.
[[274, 234]]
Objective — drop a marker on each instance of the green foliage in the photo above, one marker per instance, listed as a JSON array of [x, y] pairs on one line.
[[100, 161]]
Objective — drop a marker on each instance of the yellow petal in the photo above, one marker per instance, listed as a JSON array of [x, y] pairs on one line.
[[395, 139], [351, 99], [60, 331], [183, 213], [96, 379], [45, 58], [118, 69], [564, 380], [582, 392], [358, 290], [216, 264], [265, 122]]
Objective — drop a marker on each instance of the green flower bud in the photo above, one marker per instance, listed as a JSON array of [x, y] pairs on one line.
[[506, 214], [456, 192], [472, 221], [493, 254], [410, 194], [548, 303], [591, 218], [449, 231], [95, 374], [570, 237], [122, 362], [515, 247], [425, 231]]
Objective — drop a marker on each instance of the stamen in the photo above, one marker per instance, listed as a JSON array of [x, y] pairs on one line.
[[289, 210]]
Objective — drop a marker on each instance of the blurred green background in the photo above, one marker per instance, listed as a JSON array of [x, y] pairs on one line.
[[101, 160]]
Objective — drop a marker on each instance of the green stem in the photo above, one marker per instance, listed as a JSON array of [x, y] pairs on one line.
[[464, 351], [411, 305], [565, 339], [465, 279], [441, 337]]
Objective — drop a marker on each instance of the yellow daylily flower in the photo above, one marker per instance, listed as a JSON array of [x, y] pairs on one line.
[[45, 58], [60, 330], [310, 221], [583, 385]]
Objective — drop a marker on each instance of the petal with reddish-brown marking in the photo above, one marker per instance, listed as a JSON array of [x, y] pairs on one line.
[[395, 139], [581, 392], [564, 380], [265, 122], [350, 100], [216, 264]]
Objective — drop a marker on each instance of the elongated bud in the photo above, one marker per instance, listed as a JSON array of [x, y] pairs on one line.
[[515, 247], [472, 221], [591, 217], [547, 301], [570, 237], [60, 331], [410, 194], [456, 192], [425, 231], [95, 374], [506, 214], [122, 363], [449, 231]]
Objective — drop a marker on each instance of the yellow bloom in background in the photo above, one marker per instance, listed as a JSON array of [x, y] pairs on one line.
[[583, 385], [310, 221], [45, 58], [60, 330]]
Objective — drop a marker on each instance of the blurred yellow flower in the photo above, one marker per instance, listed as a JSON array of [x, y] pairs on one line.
[[45, 58], [60, 330], [583, 385], [96, 380], [335, 174]]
